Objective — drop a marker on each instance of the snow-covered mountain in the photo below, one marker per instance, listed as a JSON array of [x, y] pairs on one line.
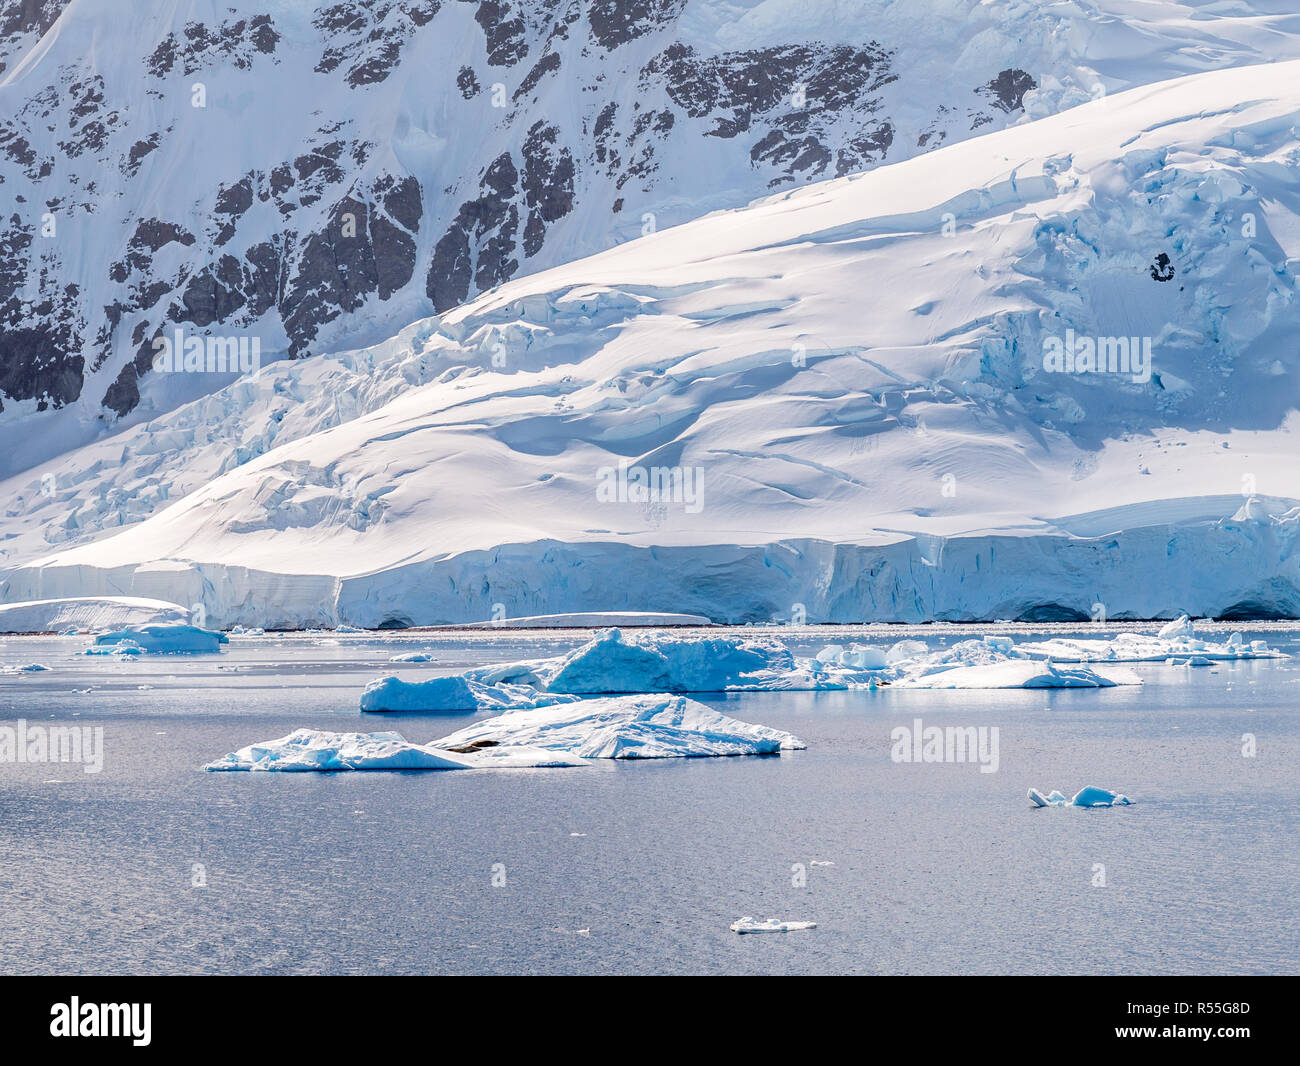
[[313, 175], [852, 401]]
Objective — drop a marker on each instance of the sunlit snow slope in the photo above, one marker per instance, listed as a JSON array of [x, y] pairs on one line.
[[853, 376]]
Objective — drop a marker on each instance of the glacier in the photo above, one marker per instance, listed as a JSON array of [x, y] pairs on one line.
[[863, 457]]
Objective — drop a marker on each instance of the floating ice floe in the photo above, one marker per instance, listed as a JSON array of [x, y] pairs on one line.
[[1089, 796], [453, 694], [614, 662], [30, 668], [1020, 674], [771, 925], [160, 639], [412, 657], [624, 727], [1177, 640]]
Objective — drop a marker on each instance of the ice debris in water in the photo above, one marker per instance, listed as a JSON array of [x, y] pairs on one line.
[[613, 662], [771, 925], [1089, 796], [623, 727]]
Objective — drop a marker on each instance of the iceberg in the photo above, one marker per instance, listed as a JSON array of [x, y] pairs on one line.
[[771, 925], [1019, 674], [626, 727], [571, 734], [452, 694], [316, 750], [1089, 796], [159, 639], [614, 663]]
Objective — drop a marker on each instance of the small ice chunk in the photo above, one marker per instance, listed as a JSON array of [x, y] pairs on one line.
[[412, 657], [1089, 796], [771, 925], [1179, 627]]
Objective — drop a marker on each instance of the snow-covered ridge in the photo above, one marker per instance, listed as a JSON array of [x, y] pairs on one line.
[[307, 173], [856, 458], [310, 174]]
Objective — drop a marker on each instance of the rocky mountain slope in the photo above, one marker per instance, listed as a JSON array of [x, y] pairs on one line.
[[312, 175]]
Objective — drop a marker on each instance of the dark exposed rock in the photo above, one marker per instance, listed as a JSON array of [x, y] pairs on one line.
[[507, 37], [467, 82], [367, 39], [615, 22], [1008, 89], [491, 221], [546, 65]]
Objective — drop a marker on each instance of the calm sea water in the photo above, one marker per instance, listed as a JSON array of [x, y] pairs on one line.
[[641, 867]]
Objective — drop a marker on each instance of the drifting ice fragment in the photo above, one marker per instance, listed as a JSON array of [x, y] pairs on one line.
[[1088, 796], [771, 925]]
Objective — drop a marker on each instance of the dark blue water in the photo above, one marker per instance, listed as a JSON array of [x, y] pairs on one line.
[[641, 867]]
